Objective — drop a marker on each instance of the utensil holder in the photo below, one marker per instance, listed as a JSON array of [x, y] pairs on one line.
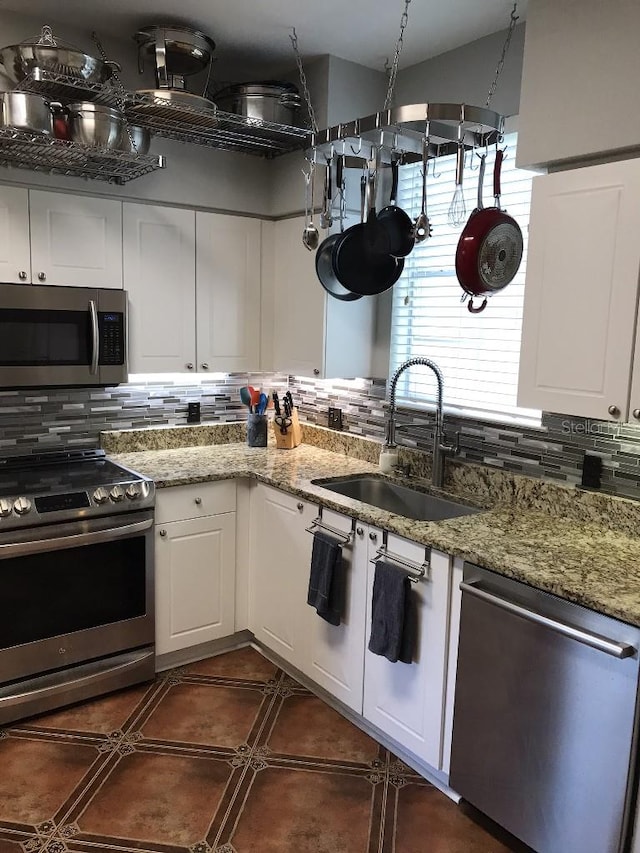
[[256, 430], [293, 436]]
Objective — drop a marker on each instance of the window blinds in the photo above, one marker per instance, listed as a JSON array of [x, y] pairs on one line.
[[478, 354]]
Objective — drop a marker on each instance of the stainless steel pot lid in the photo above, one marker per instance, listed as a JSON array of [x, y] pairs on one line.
[[97, 109], [265, 88], [175, 98], [188, 51]]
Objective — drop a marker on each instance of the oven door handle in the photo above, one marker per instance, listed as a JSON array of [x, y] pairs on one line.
[[95, 337], [75, 540]]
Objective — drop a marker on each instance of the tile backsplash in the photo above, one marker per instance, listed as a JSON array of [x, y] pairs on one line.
[[553, 451], [38, 420]]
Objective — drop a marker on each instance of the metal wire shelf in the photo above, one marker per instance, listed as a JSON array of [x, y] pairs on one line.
[[216, 129], [61, 87], [57, 156]]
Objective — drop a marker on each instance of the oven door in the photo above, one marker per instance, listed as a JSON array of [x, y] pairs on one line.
[[61, 336], [75, 592]]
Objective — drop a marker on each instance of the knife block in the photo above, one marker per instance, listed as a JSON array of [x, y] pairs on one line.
[[293, 436]]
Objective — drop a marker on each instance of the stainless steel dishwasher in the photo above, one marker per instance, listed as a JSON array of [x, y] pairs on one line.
[[545, 716]]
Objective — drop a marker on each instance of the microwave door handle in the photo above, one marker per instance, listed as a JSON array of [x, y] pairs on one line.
[[95, 337]]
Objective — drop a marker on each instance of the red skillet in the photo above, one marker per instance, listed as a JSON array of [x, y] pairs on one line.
[[490, 247]]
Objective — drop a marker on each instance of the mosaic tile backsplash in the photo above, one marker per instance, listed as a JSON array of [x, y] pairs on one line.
[[39, 420]]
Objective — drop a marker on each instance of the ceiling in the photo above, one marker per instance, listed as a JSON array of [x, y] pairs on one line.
[[362, 31]]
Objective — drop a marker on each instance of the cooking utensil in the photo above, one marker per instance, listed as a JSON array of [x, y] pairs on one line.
[[395, 233], [177, 51], [458, 207], [310, 235], [490, 247], [50, 55], [356, 266], [168, 105], [340, 185], [245, 396], [268, 100], [326, 219], [27, 111], [289, 399], [95, 125], [276, 402], [262, 404], [284, 422], [255, 398], [325, 269], [422, 227]]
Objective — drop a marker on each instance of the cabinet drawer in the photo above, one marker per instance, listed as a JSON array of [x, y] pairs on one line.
[[182, 502]]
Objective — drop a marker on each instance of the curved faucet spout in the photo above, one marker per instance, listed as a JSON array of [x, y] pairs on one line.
[[439, 449]]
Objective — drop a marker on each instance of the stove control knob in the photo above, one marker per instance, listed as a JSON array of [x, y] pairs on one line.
[[22, 506], [5, 507], [100, 495], [133, 491], [117, 494]]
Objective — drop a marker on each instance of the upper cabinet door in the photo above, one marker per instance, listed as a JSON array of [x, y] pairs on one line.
[[75, 240], [160, 277], [228, 292], [15, 257], [581, 291]]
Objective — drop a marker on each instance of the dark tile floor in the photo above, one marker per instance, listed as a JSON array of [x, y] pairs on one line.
[[228, 755]]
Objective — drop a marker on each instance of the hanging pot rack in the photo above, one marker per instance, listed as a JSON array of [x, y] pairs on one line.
[[402, 130]]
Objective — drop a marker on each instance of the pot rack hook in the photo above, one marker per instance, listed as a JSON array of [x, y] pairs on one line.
[[356, 132], [433, 160]]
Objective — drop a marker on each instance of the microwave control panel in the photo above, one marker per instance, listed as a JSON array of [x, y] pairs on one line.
[[111, 338]]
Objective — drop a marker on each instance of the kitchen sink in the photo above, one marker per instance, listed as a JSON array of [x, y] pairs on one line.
[[395, 498]]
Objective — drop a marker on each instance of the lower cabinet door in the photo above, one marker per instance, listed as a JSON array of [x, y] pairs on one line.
[[281, 558], [195, 581], [335, 653], [406, 701]]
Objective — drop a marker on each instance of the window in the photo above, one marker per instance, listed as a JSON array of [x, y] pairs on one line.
[[478, 354]]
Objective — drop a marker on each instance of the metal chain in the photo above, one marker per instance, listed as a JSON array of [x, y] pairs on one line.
[[505, 48], [404, 20], [303, 80], [120, 93]]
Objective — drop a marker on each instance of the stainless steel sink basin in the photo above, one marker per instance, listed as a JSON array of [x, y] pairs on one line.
[[395, 498]]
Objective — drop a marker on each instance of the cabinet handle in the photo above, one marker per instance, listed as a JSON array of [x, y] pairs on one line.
[[360, 531], [22, 275], [190, 366], [42, 276], [300, 507], [373, 537], [636, 414], [614, 411], [163, 533], [316, 372], [198, 501], [204, 365]]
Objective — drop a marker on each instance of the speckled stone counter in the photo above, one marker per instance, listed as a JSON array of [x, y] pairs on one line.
[[585, 555]]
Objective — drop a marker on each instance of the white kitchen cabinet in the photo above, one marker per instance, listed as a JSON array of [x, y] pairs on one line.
[[195, 566], [581, 292], [227, 292], [335, 653], [280, 561], [15, 248], [407, 701], [75, 240], [159, 275], [310, 332]]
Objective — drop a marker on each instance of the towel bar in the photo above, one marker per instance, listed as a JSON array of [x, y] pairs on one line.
[[420, 570], [318, 524]]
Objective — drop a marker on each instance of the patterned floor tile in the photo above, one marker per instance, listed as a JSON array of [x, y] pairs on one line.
[[205, 714], [246, 664], [157, 798], [306, 726], [290, 811], [38, 776]]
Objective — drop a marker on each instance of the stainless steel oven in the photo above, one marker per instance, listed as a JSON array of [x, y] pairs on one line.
[[53, 335], [76, 581]]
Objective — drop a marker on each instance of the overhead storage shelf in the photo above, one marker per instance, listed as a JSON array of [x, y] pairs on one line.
[[56, 156], [216, 129], [404, 128]]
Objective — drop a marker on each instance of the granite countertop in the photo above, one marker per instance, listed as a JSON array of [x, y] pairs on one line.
[[591, 563]]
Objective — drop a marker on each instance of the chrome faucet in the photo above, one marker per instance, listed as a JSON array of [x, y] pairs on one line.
[[440, 448]]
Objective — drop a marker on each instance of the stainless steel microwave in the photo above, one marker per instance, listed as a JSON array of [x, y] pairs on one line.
[[52, 335]]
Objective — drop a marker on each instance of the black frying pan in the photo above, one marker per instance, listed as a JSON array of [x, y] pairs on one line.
[[357, 267], [326, 273], [395, 232]]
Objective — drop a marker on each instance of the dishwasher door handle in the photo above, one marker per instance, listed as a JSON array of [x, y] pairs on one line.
[[602, 644]]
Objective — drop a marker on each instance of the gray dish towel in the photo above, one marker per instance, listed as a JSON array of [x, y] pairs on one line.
[[326, 579], [393, 614]]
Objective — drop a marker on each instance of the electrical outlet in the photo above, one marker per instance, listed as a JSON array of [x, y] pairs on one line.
[[334, 420]]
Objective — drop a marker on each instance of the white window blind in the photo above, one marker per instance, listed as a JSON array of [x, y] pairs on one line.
[[478, 353]]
